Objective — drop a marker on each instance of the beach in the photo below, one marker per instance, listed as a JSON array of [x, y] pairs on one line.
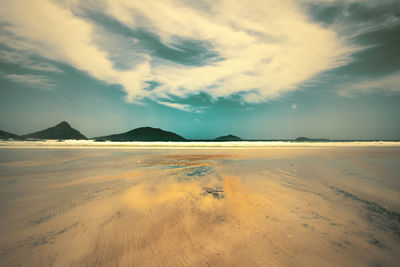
[[277, 205]]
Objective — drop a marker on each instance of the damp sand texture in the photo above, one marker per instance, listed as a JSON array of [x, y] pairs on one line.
[[315, 206]]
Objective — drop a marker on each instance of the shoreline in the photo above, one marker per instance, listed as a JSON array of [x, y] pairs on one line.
[[192, 145]]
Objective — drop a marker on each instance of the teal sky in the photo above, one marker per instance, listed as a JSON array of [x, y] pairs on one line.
[[259, 69]]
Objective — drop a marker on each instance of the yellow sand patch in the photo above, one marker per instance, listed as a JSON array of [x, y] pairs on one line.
[[144, 197]]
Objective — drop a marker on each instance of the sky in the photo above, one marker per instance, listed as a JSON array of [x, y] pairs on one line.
[[260, 69]]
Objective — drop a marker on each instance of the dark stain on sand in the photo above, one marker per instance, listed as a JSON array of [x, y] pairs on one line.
[[384, 218]]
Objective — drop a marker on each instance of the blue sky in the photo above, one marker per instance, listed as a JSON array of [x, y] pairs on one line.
[[261, 69]]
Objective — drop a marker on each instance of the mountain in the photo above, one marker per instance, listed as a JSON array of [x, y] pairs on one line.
[[306, 139], [6, 135], [228, 138], [61, 131], [143, 134]]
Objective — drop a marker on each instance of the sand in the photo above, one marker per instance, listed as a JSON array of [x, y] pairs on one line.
[[303, 206]]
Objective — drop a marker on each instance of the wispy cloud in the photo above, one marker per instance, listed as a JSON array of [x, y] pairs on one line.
[[351, 23], [44, 66], [389, 83], [37, 81], [265, 49], [183, 107], [25, 60]]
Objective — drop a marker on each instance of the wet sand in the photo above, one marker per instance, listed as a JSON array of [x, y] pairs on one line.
[[311, 206]]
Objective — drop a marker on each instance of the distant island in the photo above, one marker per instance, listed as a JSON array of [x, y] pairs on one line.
[[228, 138], [143, 134], [306, 139], [64, 131], [61, 131], [6, 135]]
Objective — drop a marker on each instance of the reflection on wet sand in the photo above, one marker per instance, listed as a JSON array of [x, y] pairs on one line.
[[269, 207]]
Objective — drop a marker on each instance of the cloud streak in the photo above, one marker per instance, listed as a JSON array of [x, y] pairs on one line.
[[26, 61], [36, 81], [388, 83], [183, 107]]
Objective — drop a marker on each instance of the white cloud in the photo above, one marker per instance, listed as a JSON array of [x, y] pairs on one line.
[[388, 83], [184, 107], [268, 47], [37, 81], [54, 32]]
